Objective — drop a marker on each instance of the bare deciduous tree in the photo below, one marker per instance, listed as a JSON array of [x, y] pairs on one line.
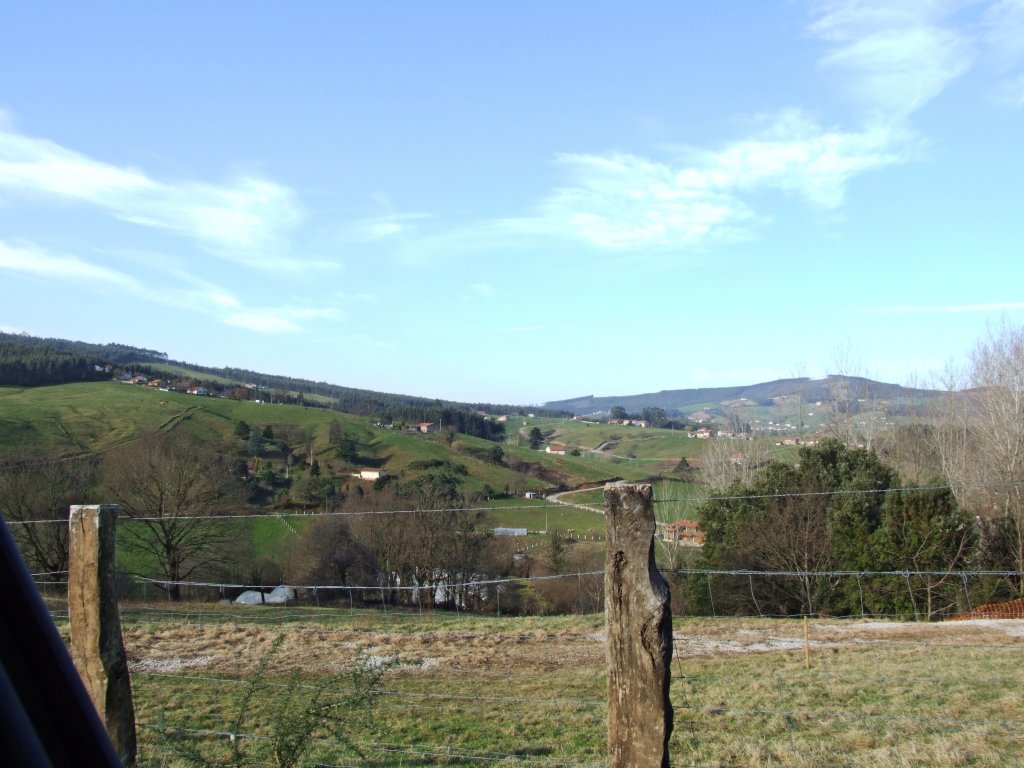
[[170, 485], [723, 461], [328, 554], [854, 419], [41, 488], [982, 431]]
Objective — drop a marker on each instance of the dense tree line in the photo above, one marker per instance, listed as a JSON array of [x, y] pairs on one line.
[[31, 361], [838, 510], [115, 354], [23, 365], [385, 406]]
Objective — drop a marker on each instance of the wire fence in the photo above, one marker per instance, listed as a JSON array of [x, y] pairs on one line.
[[950, 593], [786, 666], [695, 498], [804, 706], [464, 688]]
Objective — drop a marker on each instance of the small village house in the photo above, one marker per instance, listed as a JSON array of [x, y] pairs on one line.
[[684, 533]]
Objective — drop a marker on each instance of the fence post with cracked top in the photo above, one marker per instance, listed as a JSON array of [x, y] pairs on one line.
[[638, 620], [97, 646]]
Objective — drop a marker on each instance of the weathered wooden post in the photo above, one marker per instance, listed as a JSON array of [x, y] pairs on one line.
[[638, 621], [96, 643]]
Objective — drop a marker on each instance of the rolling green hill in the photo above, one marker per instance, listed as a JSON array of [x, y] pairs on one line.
[[32, 361], [91, 418]]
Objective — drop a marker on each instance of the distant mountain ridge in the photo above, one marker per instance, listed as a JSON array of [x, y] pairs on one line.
[[831, 388]]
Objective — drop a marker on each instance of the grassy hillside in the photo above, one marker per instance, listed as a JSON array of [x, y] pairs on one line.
[[74, 419], [71, 419], [92, 418], [532, 691]]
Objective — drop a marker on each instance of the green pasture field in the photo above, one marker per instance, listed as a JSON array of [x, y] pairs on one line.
[[646, 444], [270, 536], [464, 689], [539, 515], [77, 419], [72, 419], [182, 372], [401, 449], [584, 468]]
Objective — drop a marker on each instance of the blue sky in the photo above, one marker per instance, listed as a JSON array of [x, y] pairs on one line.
[[517, 202]]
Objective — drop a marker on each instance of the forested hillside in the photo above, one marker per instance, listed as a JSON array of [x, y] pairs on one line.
[[28, 361]]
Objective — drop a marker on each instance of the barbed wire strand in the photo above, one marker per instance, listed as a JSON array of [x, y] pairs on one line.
[[477, 583]]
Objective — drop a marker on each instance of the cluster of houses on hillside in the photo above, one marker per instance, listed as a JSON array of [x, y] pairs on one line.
[[190, 386], [683, 533], [165, 385]]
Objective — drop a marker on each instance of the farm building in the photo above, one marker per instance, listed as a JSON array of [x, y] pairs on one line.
[[685, 533]]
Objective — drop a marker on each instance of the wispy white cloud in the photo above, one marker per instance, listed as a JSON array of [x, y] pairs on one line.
[[245, 219], [1004, 36], [277, 319], [184, 293], [1004, 32], [894, 55], [29, 259], [625, 201], [382, 227]]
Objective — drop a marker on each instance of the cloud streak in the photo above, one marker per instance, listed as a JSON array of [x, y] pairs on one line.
[[1004, 35], [894, 56], [29, 259], [245, 219], [196, 296], [625, 201]]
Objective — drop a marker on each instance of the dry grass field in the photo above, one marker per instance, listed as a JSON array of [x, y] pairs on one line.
[[467, 690]]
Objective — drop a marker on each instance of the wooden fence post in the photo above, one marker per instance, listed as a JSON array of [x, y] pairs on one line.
[[638, 621], [96, 643]]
